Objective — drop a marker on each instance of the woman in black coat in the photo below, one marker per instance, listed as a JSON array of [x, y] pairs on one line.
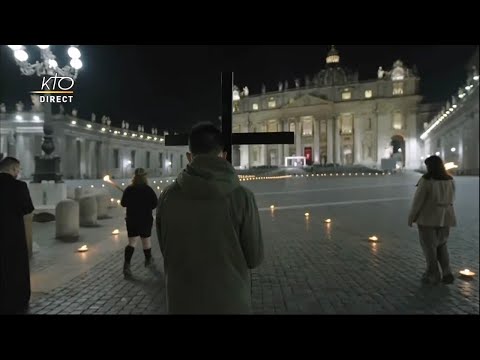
[[140, 200]]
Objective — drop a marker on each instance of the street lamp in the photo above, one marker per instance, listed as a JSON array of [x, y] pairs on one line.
[[47, 166], [48, 65]]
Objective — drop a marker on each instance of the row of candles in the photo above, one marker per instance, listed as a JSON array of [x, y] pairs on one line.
[[254, 177], [374, 239], [108, 179], [465, 273]]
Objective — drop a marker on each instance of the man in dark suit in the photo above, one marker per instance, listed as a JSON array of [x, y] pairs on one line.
[[16, 210]]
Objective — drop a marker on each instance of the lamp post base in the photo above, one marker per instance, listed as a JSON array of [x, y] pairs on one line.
[[48, 169]]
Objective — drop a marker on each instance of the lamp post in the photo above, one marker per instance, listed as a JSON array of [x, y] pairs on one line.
[[47, 166]]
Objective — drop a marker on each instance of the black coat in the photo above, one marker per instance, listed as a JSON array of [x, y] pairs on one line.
[[139, 200], [15, 202]]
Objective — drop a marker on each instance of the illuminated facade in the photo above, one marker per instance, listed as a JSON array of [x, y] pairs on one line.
[[88, 149], [453, 132], [336, 118]]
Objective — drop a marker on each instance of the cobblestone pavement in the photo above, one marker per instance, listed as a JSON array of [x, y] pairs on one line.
[[312, 267]]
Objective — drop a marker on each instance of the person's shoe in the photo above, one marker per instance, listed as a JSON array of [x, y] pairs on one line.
[[150, 263], [448, 279], [127, 272], [429, 280]]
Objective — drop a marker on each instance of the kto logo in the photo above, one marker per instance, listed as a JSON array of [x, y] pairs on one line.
[[56, 85]]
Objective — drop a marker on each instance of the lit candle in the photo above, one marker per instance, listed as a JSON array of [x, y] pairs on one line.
[[83, 248], [118, 202], [307, 214], [112, 199], [328, 221], [373, 238], [467, 273], [272, 207], [115, 232]]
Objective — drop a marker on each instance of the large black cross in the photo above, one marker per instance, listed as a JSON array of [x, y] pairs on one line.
[[227, 120]]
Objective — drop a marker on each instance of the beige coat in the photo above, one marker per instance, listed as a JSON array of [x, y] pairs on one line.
[[433, 203]]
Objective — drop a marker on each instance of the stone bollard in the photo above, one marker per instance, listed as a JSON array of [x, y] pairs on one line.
[[67, 216], [102, 206], [79, 193], [88, 211]]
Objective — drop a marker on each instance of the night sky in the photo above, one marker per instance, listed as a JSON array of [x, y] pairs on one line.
[[174, 86]]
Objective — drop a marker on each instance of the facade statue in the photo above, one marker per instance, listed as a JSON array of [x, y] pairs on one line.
[[380, 73], [36, 105], [236, 93]]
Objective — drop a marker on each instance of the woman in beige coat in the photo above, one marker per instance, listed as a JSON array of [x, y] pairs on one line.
[[432, 210]]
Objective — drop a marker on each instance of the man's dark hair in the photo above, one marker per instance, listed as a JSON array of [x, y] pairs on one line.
[[8, 162], [205, 138]]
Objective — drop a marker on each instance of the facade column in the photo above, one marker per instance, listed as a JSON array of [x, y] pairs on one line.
[[338, 156], [244, 149], [11, 144], [25, 154], [357, 144], [286, 147], [72, 156], [263, 154], [330, 133], [3, 145], [316, 140], [298, 138], [280, 156], [83, 158]]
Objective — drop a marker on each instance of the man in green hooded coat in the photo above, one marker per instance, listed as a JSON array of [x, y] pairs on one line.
[[208, 227]]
